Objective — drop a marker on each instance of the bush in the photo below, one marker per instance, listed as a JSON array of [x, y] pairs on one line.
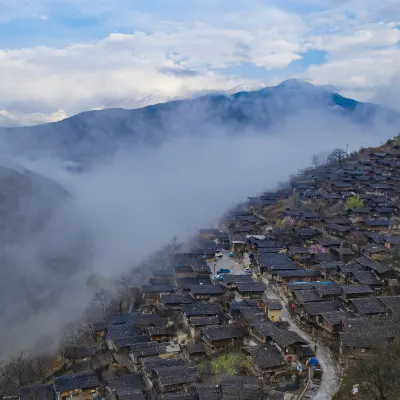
[[228, 364], [354, 202]]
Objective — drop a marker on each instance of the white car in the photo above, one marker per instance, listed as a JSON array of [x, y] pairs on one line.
[[247, 270]]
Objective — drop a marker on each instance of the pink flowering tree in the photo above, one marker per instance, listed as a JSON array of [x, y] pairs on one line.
[[316, 249], [288, 222]]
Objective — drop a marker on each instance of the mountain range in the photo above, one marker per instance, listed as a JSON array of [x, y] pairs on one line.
[[95, 133], [11, 119]]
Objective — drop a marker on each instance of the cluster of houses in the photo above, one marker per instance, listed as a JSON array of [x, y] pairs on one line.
[[331, 265]]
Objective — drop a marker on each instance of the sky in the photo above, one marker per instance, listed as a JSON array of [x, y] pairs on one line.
[[77, 55]]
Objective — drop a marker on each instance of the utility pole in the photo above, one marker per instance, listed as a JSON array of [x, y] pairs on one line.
[[214, 272]]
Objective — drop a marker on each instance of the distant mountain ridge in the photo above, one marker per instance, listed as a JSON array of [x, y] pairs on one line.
[[96, 133]]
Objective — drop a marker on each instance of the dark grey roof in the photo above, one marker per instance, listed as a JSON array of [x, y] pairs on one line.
[[176, 298], [356, 289], [122, 330], [282, 337], [202, 308], [366, 278], [339, 228], [178, 396], [373, 249], [374, 265], [127, 341], [230, 278], [369, 305], [194, 348], [150, 363], [306, 296], [377, 222], [37, 392], [328, 289], [328, 241], [160, 330], [392, 239], [241, 387], [68, 383], [127, 385], [157, 288], [176, 375], [207, 391], [223, 332], [391, 302], [273, 304], [300, 273], [115, 319], [307, 232], [148, 348], [75, 352], [238, 305], [206, 289], [320, 307], [266, 356], [204, 321], [254, 287], [361, 340], [335, 317]]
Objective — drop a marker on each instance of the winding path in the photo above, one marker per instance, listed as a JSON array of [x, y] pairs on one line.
[[330, 382]]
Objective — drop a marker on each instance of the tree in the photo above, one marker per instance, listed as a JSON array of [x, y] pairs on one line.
[[337, 155], [316, 249], [354, 202], [376, 377], [315, 160]]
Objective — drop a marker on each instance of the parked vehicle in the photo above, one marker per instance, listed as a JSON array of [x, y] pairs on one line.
[[248, 270], [223, 271]]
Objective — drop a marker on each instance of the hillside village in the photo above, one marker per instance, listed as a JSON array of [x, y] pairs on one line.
[[245, 314]]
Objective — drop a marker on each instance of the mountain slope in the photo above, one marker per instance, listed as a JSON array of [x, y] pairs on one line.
[[100, 132]]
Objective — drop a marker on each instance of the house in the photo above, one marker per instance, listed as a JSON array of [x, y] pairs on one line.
[[337, 230], [391, 241], [206, 292], [82, 386], [271, 307], [151, 349], [328, 291], [201, 309], [344, 254], [127, 387], [330, 323], [287, 341], [77, 354], [221, 337], [120, 319], [37, 392], [195, 351], [382, 271], [371, 306], [355, 346], [230, 281], [266, 361], [196, 323], [350, 292], [172, 379], [392, 303], [310, 311], [365, 278], [241, 387], [121, 331], [151, 293], [161, 333], [284, 277], [123, 344], [250, 290], [190, 265], [372, 251], [379, 225], [172, 302]]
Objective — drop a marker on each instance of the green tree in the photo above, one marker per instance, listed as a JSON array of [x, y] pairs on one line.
[[354, 202]]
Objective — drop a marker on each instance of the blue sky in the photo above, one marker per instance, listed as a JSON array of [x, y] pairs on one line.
[[82, 54]]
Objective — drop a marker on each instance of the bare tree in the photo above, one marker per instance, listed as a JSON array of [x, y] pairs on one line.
[[315, 160], [337, 155]]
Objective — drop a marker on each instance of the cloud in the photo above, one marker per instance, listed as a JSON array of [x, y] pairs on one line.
[[134, 49], [180, 72], [143, 196]]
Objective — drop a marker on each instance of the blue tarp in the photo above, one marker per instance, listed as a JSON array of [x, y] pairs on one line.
[[314, 362]]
